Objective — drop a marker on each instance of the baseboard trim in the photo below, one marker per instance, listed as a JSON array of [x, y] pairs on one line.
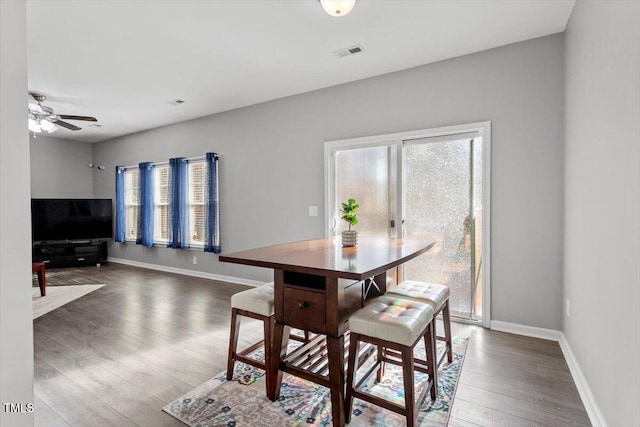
[[527, 331], [589, 401], [184, 271]]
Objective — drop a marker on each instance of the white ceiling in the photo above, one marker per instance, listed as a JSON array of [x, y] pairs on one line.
[[121, 61]]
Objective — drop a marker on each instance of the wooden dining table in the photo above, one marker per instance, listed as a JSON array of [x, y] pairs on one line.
[[318, 284]]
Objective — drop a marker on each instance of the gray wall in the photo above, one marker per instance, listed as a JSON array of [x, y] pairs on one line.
[[60, 168], [602, 208], [16, 324], [272, 163]]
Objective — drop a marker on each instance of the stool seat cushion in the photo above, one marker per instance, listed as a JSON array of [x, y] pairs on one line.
[[429, 293], [258, 300], [393, 319]]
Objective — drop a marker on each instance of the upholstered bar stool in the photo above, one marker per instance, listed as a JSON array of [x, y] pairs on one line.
[[257, 303], [437, 296], [398, 324]]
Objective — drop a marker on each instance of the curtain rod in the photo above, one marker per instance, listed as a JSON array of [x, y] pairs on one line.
[[167, 162]]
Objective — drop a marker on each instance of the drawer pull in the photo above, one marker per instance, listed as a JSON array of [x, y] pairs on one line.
[[302, 304], [80, 259]]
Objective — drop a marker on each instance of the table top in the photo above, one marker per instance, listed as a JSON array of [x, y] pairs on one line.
[[327, 257]]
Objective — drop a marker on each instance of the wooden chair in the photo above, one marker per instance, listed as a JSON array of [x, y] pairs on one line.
[[397, 324]]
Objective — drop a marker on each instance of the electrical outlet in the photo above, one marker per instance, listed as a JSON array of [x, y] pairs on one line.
[[568, 308], [195, 259]]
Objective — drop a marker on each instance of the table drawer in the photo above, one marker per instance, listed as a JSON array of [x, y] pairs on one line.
[[302, 306]]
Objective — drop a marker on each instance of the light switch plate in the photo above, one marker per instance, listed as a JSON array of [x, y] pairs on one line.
[[313, 211]]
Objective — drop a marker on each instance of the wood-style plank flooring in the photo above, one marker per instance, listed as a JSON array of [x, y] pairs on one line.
[[115, 357]]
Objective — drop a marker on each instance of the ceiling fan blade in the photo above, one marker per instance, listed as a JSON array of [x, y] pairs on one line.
[[66, 125], [85, 118]]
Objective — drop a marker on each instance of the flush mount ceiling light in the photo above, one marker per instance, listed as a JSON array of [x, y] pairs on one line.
[[337, 7]]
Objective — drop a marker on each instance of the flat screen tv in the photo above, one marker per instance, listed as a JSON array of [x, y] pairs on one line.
[[71, 219]]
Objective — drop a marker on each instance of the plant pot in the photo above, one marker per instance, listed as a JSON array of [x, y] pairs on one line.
[[349, 238]]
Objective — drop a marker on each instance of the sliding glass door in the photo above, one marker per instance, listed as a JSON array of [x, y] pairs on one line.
[[368, 175], [442, 202], [424, 188]]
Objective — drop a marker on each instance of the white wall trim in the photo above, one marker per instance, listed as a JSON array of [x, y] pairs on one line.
[[527, 331], [184, 271], [588, 400]]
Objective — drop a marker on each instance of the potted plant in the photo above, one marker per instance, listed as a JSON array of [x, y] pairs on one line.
[[349, 211]]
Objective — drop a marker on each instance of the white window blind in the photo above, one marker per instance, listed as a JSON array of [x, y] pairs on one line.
[[197, 197], [161, 203], [131, 203]]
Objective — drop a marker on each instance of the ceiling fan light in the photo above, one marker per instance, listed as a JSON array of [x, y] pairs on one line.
[[47, 126], [35, 107], [34, 126], [337, 7]]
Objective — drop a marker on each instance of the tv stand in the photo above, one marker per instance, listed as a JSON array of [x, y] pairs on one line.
[[70, 254]]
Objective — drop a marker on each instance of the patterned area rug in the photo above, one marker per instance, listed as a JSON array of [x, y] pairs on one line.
[[243, 402]]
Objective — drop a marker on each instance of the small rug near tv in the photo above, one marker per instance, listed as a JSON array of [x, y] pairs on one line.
[[57, 296], [243, 402], [68, 276]]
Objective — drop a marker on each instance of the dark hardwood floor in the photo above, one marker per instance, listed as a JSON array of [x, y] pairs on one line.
[[116, 356]]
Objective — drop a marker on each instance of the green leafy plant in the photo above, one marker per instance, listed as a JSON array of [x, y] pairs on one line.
[[349, 211]]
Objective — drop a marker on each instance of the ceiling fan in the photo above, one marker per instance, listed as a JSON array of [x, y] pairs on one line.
[[42, 118]]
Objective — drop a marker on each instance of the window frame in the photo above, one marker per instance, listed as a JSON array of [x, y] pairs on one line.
[[158, 166]]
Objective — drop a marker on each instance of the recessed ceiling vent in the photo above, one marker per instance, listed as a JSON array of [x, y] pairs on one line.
[[349, 51], [175, 102]]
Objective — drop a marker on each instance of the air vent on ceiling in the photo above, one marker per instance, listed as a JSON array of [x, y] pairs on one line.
[[175, 102], [349, 51]]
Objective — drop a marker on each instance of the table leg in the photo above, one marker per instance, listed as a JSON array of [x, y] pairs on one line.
[[278, 352], [335, 347], [42, 282]]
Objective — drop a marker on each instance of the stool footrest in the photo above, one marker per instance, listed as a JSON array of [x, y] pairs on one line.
[[371, 398], [249, 361], [399, 409], [394, 357], [247, 351]]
